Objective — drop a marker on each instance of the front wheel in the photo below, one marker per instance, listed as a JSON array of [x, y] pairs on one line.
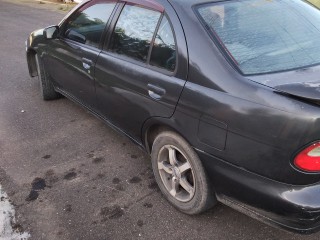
[[46, 87], [180, 174]]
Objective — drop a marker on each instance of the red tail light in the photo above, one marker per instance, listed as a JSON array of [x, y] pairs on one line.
[[309, 158]]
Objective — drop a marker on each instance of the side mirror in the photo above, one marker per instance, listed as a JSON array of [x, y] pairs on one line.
[[51, 32], [75, 36]]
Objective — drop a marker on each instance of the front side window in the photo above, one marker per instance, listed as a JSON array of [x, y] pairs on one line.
[[164, 49], [87, 26], [263, 36], [134, 32]]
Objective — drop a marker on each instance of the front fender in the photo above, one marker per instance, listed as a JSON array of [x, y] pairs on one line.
[[33, 45]]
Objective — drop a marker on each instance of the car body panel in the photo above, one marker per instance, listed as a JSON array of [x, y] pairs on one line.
[[262, 125], [126, 84], [255, 142], [75, 79], [129, 91], [302, 83], [287, 206], [246, 130]]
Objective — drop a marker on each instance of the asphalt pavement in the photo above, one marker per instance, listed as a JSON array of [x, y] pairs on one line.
[[70, 176]]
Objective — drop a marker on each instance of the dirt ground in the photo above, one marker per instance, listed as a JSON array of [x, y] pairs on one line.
[[53, 5]]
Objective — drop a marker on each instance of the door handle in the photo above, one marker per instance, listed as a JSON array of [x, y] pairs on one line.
[[87, 63], [156, 92]]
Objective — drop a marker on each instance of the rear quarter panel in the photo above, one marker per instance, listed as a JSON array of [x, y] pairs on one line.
[[251, 125]]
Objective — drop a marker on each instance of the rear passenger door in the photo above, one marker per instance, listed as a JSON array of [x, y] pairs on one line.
[[142, 70]]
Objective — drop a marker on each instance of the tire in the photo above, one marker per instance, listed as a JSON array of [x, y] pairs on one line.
[[180, 175], [46, 86]]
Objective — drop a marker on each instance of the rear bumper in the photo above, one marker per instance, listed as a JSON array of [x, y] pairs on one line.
[[290, 207]]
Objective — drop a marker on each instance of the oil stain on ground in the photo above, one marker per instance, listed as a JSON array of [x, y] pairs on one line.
[[46, 156], [33, 195], [98, 160], [68, 208], [101, 175], [112, 212], [70, 175], [148, 205], [140, 223], [90, 155], [135, 180], [153, 185], [120, 187], [115, 180], [37, 185]]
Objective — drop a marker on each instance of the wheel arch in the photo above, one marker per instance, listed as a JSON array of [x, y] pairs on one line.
[[205, 196], [153, 127]]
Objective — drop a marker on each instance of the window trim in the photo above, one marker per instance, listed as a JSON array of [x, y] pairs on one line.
[[83, 7], [173, 73], [215, 40], [113, 27], [106, 47], [151, 4], [225, 52], [153, 39]]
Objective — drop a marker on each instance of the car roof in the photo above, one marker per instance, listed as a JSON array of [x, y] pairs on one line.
[[148, 3], [190, 3], [185, 3]]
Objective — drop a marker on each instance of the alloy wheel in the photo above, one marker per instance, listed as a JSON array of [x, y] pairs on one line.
[[176, 173]]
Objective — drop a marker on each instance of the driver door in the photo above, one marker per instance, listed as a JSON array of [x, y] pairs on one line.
[[71, 57]]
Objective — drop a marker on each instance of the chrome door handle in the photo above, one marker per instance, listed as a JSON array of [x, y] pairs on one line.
[[86, 66], [156, 92], [87, 63]]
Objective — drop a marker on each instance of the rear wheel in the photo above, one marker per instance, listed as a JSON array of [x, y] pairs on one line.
[[46, 86], [180, 174]]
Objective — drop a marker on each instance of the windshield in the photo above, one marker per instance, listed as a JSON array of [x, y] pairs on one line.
[[263, 36]]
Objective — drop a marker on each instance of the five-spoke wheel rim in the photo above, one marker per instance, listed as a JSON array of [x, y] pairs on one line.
[[176, 173]]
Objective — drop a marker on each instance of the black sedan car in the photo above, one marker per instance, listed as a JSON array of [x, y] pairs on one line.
[[224, 95]]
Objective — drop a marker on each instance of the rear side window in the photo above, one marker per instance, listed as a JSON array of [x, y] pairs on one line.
[[164, 49], [134, 32], [87, 25], [263, 36]]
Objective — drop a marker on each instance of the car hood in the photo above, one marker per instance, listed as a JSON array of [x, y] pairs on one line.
[[302, 83]]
